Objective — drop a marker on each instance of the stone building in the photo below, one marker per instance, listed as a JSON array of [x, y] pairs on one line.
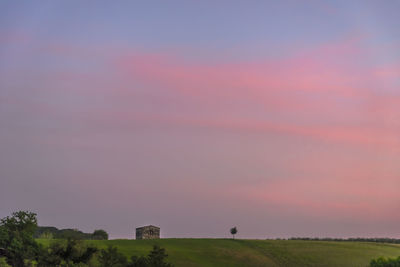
[[148, 232]]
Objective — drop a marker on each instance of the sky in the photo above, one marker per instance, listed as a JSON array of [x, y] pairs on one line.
[[281, 118]]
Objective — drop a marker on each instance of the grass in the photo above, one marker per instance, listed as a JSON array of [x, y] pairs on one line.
[[239, 252]]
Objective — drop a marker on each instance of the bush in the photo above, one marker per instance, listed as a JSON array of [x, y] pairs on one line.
[[111, 257], [156, 258], [385, 262], [3, 262], [66, 253], [50, 232]]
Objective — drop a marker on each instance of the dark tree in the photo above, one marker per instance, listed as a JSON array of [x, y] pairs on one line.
[[66, 252], [16, 238], [111, 257], [234, 232], [141, 261], [100, 235], [157, 257]]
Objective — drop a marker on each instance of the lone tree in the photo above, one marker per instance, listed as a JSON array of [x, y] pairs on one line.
[[234, 232], [100, 235]]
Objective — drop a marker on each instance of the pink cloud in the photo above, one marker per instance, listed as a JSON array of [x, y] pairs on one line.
[[324, 90], [350, 135], [241, 79], [331, 82], [326, 68], [316, 82]]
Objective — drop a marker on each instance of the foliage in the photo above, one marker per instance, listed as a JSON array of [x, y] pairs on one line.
[[16, 238], [45, 232], [139, 261], [234, 231], [100, 235], [385, 262], [157, 257], [3, 262], [46, 235], [69, 252], [111, 257], [53, 232], [18, 248]]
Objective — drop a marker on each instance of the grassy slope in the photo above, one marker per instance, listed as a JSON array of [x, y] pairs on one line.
[[227, 252]]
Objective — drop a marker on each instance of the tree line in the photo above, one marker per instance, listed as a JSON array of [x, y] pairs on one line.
[[18, 248], [49, 232], [356, 239]]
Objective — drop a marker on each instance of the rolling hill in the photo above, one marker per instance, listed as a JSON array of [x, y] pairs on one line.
[[240, 252]]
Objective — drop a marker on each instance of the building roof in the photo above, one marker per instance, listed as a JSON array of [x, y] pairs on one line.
[[148, 226]]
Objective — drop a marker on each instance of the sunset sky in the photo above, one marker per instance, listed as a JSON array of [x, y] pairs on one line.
[[279, 117]]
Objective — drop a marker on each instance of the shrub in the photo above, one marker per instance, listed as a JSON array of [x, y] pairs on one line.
[[111, 257], [3, 262], [385, 262], [66, 253]]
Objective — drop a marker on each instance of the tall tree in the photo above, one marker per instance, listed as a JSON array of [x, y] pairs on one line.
[[16, 237]]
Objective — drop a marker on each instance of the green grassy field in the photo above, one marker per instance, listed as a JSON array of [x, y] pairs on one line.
[[228, 252]]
